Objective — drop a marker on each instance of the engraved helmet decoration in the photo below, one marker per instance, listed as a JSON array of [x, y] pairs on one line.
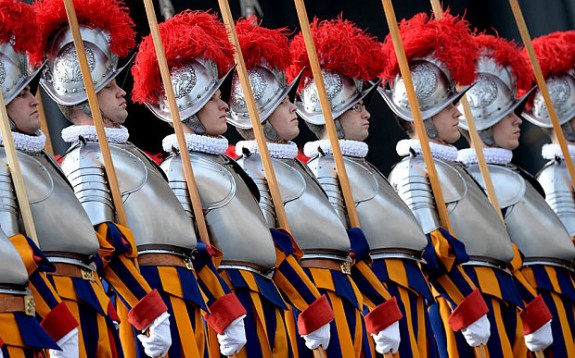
[[267, 56], [200, 59], [18, 34], [556, 55], [349, 58], [441, 55], [502, 73], [107, 33]]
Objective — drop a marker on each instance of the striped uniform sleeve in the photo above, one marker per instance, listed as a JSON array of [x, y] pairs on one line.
[[384, 309], [55, 317], [224, 306], [296, 287], [536, 312], [118, 254], [444, 255]]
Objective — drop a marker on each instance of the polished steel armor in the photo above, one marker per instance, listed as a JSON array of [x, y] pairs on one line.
[[62, 77], [154, 214], [234, 220], [312, 220], [61, 223], [555, 181], [385, 219], [531, 223], [473, 219], [433, 87]]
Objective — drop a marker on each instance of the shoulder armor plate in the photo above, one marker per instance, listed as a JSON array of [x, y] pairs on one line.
[[509, 185]]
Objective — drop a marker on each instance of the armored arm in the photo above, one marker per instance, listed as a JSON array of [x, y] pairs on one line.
[[323, 168], [409, 179], [84, 169], [559, 194], [9, 214]]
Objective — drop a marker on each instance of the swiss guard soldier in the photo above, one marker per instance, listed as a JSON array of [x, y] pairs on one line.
[[532, 225], [201, 58], [313, 222], [553, 275], [441, 53], [396, 240], [24, 288], [80, 254]]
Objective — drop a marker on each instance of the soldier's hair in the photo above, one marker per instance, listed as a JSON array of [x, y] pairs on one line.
[[407, 126], [69, 112], [247, 134], [269, 132], [317, 129]]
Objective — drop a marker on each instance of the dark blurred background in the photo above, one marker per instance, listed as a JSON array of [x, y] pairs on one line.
[[542, 17]]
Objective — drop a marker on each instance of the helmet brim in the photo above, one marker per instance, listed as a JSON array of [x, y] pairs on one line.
[[31, 81]]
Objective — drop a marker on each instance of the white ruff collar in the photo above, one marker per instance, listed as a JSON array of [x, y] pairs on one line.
[[552, 151], [439, 151], [73, 133], [277, 150], [492, 156], [28, 143], [197, 143], [350, 148]]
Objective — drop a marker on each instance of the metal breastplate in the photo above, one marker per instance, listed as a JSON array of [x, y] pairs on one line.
[[472, 217], [154, 214], [378, 206], [531, 223], [12, 269], [235, 223], [313, 222], [559, 194], [61, 223]]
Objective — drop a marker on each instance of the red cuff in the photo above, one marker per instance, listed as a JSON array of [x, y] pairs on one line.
[[316, 315], [224, 311], [468, 311], [535, 315], [382, 316], [147, 310], [59, 322]]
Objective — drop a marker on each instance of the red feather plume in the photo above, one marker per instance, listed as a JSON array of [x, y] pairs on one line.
[[342, 47], [448, 39], [188, 35], [262, 44], [555, 52], [507, 53], [18, 25], [110, 16]]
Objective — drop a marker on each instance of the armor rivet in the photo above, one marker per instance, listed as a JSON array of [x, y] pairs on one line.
[[65, 91], [189, 103], [74, 90], [199, 96]]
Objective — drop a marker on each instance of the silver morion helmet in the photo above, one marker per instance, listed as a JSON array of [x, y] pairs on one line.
[[562, 92], [62, 78], [269, 87], [343, 93], [493, 95], [15, 72], [433, 86], [194, 85]]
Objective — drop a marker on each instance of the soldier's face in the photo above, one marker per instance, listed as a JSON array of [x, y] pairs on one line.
[[213, 115], [355, 122], [112, 102], [447, 124], [506, 133], [284, 120], [23, 110]]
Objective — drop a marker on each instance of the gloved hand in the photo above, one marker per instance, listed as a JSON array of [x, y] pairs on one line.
[[159, 340], [234, 337], [387, 339], [478, 332], [68, 344], [319, 337], [540, 339]]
